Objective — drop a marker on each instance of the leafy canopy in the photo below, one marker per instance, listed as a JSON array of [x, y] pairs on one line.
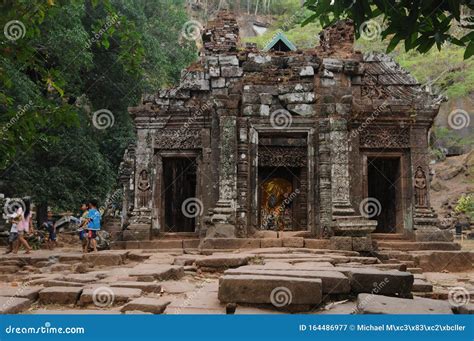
[[419, 24]]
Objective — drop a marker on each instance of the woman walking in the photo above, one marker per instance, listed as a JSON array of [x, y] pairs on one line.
[[24, 227]]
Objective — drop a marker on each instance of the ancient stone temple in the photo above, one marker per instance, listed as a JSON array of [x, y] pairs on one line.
[[325, 141]]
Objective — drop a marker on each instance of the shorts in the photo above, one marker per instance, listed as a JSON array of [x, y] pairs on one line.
[[92, 234], [12, 237], [52, 236]]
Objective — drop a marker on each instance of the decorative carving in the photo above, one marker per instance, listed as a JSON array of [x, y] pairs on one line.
[[421, 192], [143, 189], [385, 138], [178, 139], [282, 157]]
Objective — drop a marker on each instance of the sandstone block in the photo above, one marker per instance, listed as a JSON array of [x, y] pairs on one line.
[[13, 305], [376, 304], [147, 305], [60, 295], [277, 290]]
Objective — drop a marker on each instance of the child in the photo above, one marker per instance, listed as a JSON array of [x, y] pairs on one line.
[[93, 223], [83, 227], [13, 236], [51, 228], [24, 226]]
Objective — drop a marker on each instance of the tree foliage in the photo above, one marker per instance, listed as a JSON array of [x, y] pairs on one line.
[[419, 24], [72, 59]]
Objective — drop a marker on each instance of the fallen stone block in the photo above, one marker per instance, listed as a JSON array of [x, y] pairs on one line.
[[60, 295], [333, 282], [147, 305], [312, 265], [185, 260], [28, 292], [277, 290], [223, 261], [376, 304], [13, 305], [106, 259], [159, 272], [437, 261], [420, 285], [103, 296], [149, 287], [364, 280], [466, 309]]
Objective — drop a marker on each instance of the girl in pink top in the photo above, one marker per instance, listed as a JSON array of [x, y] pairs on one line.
[[24, 227]]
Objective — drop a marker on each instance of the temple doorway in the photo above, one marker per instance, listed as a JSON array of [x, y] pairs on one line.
[[179, 180], [385, 193], [278, 198]]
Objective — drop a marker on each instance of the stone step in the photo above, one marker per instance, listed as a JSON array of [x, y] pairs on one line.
[[147, 305], [388, 236], [416, 246]]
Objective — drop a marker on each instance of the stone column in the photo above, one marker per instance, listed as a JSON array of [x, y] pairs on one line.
[[425, 220]]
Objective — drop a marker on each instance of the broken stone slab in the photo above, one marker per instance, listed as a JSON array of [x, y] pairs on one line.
[[437, 261], [277, 290], [29, 292], [56, 283], [104, 296], [333, 282], [420, 285], [185, 260], [147, 305], [177, 287], [159, 272], [365, 280], [13, 305], [105, 259], [148, 287], [312, 265], [60, 295], [377, 304], [466, 309], [223, 261]]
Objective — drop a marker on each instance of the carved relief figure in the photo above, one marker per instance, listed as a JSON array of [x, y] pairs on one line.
[[144, 189], [420, 188]]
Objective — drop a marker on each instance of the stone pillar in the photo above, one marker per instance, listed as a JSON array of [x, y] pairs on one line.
[[351, 231], [425, 220], [141, 219]]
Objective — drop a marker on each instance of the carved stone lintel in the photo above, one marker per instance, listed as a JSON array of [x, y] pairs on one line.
[[386, 137], [282, 157], [178, 139]]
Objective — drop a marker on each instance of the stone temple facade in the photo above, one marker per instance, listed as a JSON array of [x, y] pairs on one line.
[[325, 141]]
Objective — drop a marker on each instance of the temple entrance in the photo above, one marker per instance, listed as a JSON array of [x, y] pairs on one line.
[[179, 180], [384, 185], [278, 198]]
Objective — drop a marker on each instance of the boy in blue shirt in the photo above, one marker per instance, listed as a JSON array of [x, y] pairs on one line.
[[93, 223]]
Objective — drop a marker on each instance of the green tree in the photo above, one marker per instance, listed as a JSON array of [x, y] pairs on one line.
[[419, 24]]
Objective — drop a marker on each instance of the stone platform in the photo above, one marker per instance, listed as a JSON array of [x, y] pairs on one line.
[[246, 281]]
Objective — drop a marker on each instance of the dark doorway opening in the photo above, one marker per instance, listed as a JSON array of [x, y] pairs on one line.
[[179, 175], [384, 185], [280, 199]]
